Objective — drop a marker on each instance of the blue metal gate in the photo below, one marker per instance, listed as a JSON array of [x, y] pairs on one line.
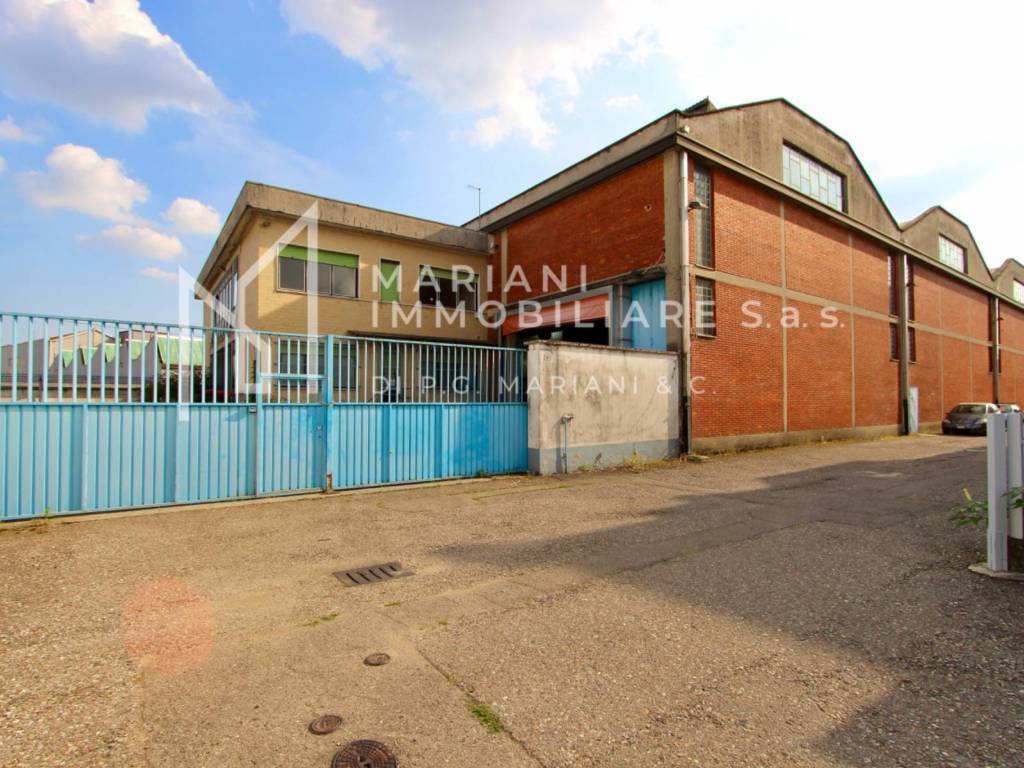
[[101, 415]]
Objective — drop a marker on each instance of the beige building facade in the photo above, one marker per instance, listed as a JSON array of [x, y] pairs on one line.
[[288, 262]]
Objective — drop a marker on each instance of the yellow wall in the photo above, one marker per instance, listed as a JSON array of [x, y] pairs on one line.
[[267, 308]]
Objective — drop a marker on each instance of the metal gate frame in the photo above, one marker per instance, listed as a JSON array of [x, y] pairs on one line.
[[101, 415]]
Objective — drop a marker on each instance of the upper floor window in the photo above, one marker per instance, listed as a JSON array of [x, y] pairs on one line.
[[445, 288], [226, 298], [951, 254], [705, 307], [894, 300], [327, 272], [812, 178], [702, 217], [1018, 291]]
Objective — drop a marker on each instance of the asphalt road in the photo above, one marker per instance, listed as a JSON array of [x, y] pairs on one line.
[[797, 607]]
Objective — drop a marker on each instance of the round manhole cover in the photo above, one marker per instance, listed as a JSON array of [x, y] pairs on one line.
[[325, 724], [364, 754], [376, 660]]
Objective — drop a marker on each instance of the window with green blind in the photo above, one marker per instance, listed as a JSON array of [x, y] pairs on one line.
[[390, 287], [336, 274]]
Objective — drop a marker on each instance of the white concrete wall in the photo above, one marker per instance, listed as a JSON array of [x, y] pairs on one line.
[[624, 405]]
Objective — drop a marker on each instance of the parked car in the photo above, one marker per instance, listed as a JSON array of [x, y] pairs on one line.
[[968, 418], [1009, 408]]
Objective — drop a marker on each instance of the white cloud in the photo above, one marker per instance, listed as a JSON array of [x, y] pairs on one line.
[[622, 102], [11, 131], [3, 164], [160, 274], [138, 241], [79, 179], [192, 217], [105, 59], [510, 65], [501, 59]]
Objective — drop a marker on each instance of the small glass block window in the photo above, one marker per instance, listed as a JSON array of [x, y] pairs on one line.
[[226, 298], [704, 307], [951, 254], [702, 217], [812, 178]]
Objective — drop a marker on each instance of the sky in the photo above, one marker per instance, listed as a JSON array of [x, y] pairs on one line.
[[127, 129]]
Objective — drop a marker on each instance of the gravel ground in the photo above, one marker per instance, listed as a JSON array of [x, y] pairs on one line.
[[804, 606]]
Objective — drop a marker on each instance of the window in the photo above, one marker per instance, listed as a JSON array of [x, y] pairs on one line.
[[991, 355], [910, 291], [894, 300], [812, 178], [894, 343], [1018, 291], [703, 217], [951, 254], [337, 274], [226, 298], [390, 281], [442, 287], [705, 307], [292, 274]]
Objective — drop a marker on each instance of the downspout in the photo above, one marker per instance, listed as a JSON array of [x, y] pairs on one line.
[[565, 442], [904, 341], [685, 410], [996, 352]]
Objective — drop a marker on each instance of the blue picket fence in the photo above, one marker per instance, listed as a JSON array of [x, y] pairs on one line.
[[141, 415]]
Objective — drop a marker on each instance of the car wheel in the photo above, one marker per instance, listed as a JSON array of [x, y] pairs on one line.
[[945, 431]]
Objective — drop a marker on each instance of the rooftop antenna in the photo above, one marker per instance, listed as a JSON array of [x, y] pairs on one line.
[[479, 210]]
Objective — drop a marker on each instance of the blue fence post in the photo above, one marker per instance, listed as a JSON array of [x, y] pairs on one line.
[[85, 457], [257, 431], [327, 399]]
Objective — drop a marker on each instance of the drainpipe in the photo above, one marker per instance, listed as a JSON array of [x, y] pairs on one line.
[[904, 341], [565, 442], [996, 352], [685, 411]]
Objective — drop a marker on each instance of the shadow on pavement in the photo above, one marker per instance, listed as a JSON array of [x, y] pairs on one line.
[[858, 557]]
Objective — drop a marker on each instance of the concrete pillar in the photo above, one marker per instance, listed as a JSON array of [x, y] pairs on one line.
[[996, 351], [676, 288], [903, 334]]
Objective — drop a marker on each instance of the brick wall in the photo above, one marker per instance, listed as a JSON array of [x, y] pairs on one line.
[[738, 374], [877, 375], [817, 255], [926, 375], [956, 372], [820, 378], [838, 377], [870, 275], [747, 230], [613, 227]]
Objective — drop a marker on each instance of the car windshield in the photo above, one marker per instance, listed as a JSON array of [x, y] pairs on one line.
[[969, 408]]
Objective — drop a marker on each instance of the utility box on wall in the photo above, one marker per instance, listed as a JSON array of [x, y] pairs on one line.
[[594, 406]]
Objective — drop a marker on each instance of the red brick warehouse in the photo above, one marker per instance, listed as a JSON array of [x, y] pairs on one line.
[[798, 328]]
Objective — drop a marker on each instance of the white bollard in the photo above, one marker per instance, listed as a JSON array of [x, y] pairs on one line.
[[997, 488], [1015, 469]]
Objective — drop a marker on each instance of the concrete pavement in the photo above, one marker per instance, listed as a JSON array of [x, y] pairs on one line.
[[803, 606]]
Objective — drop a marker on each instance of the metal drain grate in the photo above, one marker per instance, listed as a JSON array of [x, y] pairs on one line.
[[364, 754], [371, 574], [325, 724]]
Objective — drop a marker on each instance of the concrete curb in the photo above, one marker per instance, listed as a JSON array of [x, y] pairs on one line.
[[984, 570]]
